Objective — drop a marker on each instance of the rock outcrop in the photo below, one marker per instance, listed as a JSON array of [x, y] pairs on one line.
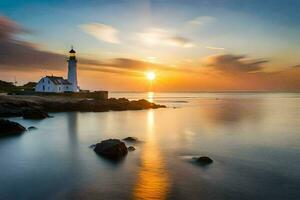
[[34, 114], [18, 105], [10, 128]]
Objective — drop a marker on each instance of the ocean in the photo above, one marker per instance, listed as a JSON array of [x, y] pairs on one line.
[[253, 139]]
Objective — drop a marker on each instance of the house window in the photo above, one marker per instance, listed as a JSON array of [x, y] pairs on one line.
[[59, 88], [48, 88], [43, 80], [67, 87], [48, 82], [43, 87]]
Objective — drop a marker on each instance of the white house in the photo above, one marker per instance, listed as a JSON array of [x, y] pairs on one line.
[[54, 84], [59, 84]]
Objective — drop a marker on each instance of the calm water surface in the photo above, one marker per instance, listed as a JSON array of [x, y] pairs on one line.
[[254, 140]]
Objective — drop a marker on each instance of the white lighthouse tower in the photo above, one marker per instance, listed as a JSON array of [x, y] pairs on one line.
[[72, 70]]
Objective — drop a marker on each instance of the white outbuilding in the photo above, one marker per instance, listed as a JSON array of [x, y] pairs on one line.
[[57, 84], [53, 84]]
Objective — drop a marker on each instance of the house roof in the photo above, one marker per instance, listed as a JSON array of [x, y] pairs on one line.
[[57, 80]]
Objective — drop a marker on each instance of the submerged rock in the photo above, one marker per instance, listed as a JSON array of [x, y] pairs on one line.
[[111, 149], [10, 128], [131, 139], [131, 148], [34, 114], [203, 160], [30, 128]]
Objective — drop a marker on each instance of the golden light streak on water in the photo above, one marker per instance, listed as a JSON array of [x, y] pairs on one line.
[[150, 96], [153, 180]]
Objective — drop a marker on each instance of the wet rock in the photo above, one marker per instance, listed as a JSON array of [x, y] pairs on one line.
[[131, 148], [34, 114], [10, 111], [30, 128], [203, 160], [10, 128], [131, 139], [111, 149]]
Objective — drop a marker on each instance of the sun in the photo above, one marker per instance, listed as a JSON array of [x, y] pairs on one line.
[[150, 76]]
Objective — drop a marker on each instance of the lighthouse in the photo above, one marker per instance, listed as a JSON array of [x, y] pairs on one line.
[[72, 70], [57, 84]]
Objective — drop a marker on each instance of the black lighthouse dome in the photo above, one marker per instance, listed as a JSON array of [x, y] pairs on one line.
[[72, 51]]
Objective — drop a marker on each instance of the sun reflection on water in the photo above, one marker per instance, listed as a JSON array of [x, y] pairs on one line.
[[150, 96], [153, 180]]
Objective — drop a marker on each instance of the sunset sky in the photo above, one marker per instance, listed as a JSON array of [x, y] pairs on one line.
[[200, 45]]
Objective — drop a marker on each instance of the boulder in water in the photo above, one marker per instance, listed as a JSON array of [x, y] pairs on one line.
[[131, 139], [10, 128], [30, 128], [111, 149], [131, 148], [203, 160]]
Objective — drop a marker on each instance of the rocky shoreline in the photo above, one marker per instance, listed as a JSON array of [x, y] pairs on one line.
[[18, 105]]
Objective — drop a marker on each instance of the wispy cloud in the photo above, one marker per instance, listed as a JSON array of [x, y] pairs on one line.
[[202, 20], [230, 63], [180, 41], [158, 36], [102, 32], [9, 28], [296, 66], [215, 48], [19, 55], [129, 66]]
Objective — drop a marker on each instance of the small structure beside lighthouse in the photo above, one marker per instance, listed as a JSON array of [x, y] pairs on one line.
[[56, 84]]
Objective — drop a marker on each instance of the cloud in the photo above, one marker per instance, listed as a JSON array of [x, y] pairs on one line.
[[157, 36], [128, 66], [215, 48], [20, 55], [230, 63], [8, 28], [102, 32], [180, 41], [202, 20], [238, 72]]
